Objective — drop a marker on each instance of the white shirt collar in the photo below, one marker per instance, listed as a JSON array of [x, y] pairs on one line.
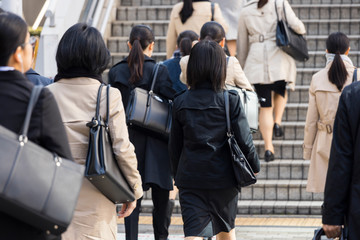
[[6, 68]]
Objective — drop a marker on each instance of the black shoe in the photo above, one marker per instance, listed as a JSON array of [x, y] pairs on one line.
[[278, 131], [269, 156]]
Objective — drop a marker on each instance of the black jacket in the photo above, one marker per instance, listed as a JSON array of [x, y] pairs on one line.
[[198, 148], [46, 129], [342, 188], [151, 152]]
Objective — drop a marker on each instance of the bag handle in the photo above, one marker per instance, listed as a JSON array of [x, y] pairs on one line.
[[156, 70], [277, 15], [97, 112], [355, 75], [212, 11], [227, 111], [107, 105], [35, 93]]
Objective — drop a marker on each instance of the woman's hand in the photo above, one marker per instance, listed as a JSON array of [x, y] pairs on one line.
[[127, 209], [332, 231]]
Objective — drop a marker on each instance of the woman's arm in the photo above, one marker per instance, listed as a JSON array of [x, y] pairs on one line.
[[242, 43]]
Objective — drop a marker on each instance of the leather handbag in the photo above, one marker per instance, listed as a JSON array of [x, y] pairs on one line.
[[101, 167], [249, 101], [289, 41], [354, 75], [37, 186], [148, 111], [242, 170]]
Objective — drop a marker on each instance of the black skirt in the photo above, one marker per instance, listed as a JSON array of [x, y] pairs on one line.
[[206, 213]]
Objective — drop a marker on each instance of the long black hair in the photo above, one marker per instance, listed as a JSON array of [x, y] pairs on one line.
[[140, 38], [337, 43], [212, 31], [186, 11], [207, 64], [184, 41], [12, 35]]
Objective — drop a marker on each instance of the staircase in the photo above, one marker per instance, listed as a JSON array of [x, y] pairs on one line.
[[281, 184]]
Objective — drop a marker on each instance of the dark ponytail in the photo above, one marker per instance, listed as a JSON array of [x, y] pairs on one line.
[[261, 3], [186, 11], [212, 31], [184, 41], [337, 43], [140, 38]]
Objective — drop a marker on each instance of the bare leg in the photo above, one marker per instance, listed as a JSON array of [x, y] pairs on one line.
[[231, 44], [226, 236], [266, 124], [193, 238], [279, 106]]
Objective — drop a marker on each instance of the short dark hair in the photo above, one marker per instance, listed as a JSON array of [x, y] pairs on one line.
[[184, 41], [212, 31], [82, 46], [207, 63], [12, 35]]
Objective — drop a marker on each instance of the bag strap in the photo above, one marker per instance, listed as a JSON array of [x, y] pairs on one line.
[[227, 111], [277, 14], [97, 112], [107, 105], [355, 75], [35, 93], [284, 12], [212, 11], [156, 70]]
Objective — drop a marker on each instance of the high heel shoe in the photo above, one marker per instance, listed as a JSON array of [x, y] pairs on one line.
[[269, 156], [278, 131]]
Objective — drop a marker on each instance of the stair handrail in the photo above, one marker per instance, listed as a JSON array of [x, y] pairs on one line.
[[50, 12]]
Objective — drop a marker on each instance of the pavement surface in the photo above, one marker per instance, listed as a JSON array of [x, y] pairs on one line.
[[247, 227]]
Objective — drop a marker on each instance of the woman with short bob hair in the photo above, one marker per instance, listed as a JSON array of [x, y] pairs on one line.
[[81, 59], [199, 152], [45, 129]]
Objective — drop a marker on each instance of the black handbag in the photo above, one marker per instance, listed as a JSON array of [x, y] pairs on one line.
[[149, 111], [320, 232], [242, 170], [37, 186], [289, 41], [101, 167]]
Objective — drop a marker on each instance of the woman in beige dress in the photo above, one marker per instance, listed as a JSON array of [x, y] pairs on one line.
[[324, 93], [81, 58]]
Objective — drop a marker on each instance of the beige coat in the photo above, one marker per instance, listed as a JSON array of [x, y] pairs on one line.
[[95, 216], [262, 60], [323, 101], [234, 74], [201, 15]]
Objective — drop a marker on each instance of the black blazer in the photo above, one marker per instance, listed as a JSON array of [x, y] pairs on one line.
[[46, 129], [151, 152], [198, 145]]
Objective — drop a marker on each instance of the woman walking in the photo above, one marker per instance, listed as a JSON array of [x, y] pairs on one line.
[[324, 93], [136, 70], [266, 65], [190, 15], [46, 128], [81, 58], [198, 146]]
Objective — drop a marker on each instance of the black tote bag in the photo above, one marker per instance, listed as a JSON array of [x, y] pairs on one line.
[[242, 170], [148, 111], [289, 41], [102, 169], [37, 186]]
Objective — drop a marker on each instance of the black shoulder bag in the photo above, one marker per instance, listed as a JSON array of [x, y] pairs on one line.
[[242, 170], [37, 186], [289, 41], [102, 169]]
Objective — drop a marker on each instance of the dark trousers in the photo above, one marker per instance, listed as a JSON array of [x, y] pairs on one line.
[[161, 218]]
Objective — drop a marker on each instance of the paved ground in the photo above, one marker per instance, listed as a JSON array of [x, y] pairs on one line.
[[247, 228]]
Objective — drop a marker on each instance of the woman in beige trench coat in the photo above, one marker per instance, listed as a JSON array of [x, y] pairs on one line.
[[81, 58], [194, 20], [265, 64], [324, 93]]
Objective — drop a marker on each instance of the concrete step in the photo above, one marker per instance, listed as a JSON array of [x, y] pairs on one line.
[[292, 131], [295, 112], [317, 59], [304, 75], [284, 149], [293, 2], [147, 2], [315, 43], [284, 169], [258, 207], [300, 95]]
